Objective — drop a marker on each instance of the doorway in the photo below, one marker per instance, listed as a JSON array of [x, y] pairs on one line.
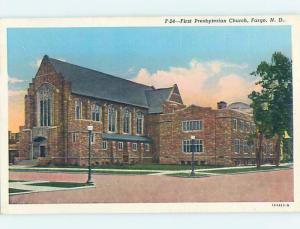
[[42, 151]]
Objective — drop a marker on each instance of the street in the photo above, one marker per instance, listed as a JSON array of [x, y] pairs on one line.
[[270, 186]]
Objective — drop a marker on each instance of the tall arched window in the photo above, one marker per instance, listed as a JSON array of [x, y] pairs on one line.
[[45, 105], [126, 121], [78, 109], [95, 110], [112, 119], [139, 123]]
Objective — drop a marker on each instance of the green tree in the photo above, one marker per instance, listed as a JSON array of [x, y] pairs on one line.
[[272, 106]]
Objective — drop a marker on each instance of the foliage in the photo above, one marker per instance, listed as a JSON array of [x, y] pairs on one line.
[[272, 106]]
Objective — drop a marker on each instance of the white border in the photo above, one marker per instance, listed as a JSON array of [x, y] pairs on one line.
[[138, 208]]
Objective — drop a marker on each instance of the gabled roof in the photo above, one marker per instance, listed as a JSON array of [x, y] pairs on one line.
[[100, 85], [96, 84], [156, 98]]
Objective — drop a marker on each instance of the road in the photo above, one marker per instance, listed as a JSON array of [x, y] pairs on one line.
[[271, 186]]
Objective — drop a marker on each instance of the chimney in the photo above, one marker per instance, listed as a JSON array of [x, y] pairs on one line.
[[222, 105]]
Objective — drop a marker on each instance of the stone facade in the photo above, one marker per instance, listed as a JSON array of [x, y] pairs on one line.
[[162, 135]]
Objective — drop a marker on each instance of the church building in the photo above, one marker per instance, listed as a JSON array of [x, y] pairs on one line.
[[132, 122]]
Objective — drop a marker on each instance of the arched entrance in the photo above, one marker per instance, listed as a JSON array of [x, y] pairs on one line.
[[39, 147]]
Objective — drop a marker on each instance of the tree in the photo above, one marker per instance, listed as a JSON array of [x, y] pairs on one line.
[[273, 105]]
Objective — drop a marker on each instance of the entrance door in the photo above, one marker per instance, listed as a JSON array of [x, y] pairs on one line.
[[42, 151]]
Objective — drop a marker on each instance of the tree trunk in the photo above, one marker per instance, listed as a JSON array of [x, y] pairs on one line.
[[277, 148], [259, 149]]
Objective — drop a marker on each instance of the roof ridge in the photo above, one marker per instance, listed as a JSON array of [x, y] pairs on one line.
[[106, 74], [162, 88]]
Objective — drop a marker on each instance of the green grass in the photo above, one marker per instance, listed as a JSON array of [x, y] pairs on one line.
[[141, 167], [11, 181], [187, 175], [60, 184], [84, 171], [15, 190], [244, 170], [124, 172]]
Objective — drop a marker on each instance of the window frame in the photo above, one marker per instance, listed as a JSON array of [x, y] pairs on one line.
[[109, 122], [139, 113], [134, 146], [242, 126], [234, 145], [120, 144], [74, 137], [104, 143], [45, 105], [78, 103], [188, 125], [147, 147], [245, 147], [186, 145], [95, 110], [126, 111], [234, 124]]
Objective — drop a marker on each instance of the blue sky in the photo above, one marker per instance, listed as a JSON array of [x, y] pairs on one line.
[[209, 64], [123, 51]]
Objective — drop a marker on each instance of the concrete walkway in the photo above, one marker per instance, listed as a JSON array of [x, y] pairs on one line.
[[30, 187], [152, 172]]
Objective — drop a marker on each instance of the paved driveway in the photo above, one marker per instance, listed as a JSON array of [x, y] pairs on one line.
[[271, 186]]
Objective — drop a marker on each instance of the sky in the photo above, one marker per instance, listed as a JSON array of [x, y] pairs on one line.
[[208, 64]]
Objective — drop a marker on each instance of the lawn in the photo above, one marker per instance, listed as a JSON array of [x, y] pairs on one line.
[[187, 175], [60, 184], [11, 181], [14, 190], [141, 167], [84, 171], [244, 170]]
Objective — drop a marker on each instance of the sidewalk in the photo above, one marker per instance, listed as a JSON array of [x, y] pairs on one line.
[[29, 187], [154, 172]]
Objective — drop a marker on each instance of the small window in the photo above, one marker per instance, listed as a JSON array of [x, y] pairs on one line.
[[236, 145], [120, 145], [246, 147], [234, 124], [242, 126], [104, 145], [147, 147], [134, 146], [74, 137], [247, 127], [192, 125]]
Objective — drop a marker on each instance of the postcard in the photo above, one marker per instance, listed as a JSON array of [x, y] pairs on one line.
[[150, 114]]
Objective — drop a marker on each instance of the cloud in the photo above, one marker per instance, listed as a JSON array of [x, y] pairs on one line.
[[13, 80], [17, 93], [202, 83], [131, 70]]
